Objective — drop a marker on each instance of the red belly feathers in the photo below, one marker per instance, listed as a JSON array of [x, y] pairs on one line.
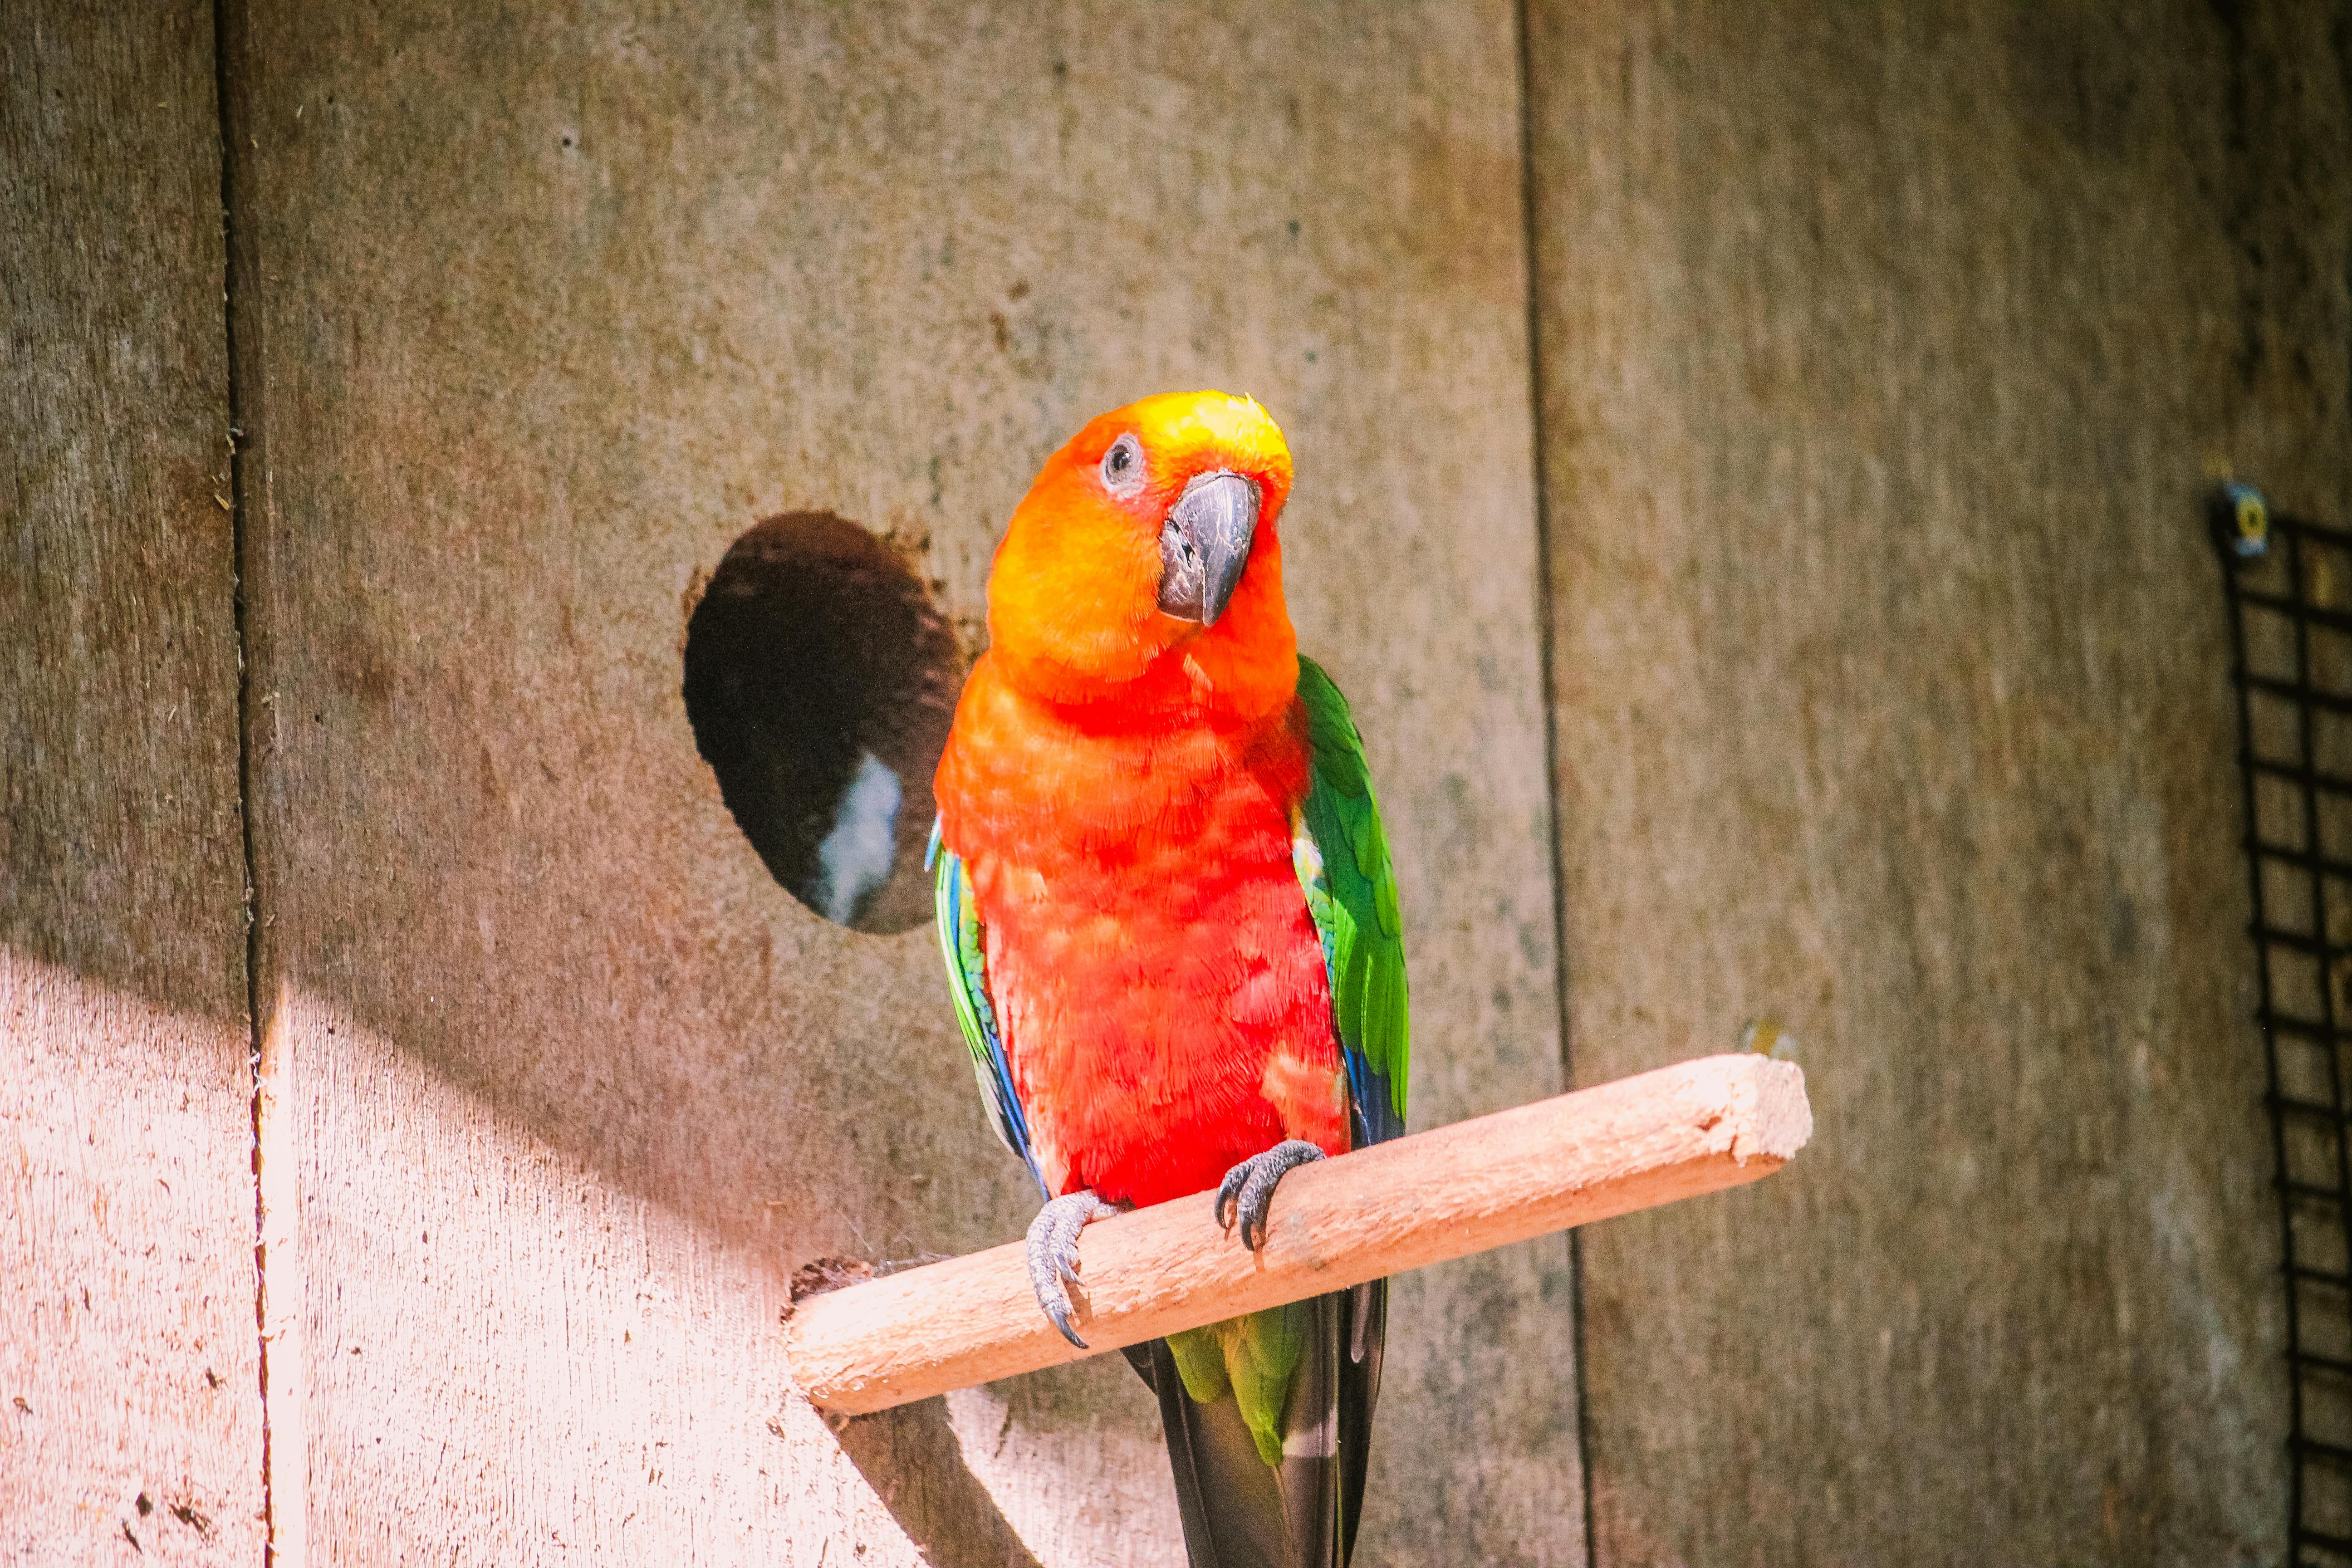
[[1156, 980]]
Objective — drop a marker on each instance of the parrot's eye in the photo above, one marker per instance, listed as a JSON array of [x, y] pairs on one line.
[[1122, 466]]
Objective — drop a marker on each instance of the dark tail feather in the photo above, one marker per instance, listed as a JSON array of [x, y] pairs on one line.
[[1366, 1318], [1237, 1512], [1228, 1499]]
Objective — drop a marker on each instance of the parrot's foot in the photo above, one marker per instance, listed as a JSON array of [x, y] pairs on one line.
[[1247, 1190], [1053, 1253]]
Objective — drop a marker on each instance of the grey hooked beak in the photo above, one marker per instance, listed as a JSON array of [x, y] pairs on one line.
[[1204, 544]]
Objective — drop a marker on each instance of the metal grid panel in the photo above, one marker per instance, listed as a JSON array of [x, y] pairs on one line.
[[2289, 584]]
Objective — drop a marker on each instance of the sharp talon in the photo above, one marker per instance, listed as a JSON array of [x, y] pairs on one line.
[[1226, 1207], [1061, 1320]]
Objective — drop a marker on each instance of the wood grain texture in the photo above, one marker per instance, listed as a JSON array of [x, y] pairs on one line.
[[1592, 1154], [1883, 349], [130, 1422], [548, 307]]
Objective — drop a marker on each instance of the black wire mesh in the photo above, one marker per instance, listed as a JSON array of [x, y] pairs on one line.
[[2291, 631]]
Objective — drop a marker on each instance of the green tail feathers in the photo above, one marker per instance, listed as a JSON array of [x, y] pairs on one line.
[[1268, 1417], [1253, 1357]]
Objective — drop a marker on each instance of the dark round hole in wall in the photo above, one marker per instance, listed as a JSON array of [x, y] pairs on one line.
[[820, 681]]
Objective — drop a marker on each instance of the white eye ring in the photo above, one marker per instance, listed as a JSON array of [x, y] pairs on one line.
[[1122, 466]]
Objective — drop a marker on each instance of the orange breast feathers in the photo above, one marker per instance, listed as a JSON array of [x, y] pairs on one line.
[[1157, 979]]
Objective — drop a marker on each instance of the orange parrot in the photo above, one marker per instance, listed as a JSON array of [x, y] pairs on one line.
[[1171, 925]]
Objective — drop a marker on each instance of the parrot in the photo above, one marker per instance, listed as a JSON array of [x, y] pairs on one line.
[[1170, 921]]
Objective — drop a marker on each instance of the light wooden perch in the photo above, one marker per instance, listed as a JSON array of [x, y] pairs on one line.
[[1634, 1144]]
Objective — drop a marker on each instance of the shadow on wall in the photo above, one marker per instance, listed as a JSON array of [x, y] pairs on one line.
[[912, 1459], [819, 683]]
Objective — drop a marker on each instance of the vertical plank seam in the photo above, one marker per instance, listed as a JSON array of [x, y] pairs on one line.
[[232, 279], [1547, 644]]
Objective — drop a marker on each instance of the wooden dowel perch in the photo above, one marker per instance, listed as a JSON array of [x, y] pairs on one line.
[[1632, 1144]]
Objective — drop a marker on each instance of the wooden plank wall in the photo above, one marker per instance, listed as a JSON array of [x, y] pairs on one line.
[[1883, 351], [130, 1416], [1877, 356], [550, 306]]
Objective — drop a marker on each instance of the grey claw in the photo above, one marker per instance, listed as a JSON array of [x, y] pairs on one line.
[[1059, 1312], [1052, 1255], [1228, 1192], [1248, 1191]]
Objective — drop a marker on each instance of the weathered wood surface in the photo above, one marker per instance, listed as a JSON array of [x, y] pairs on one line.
[[1883, 357], [131, 1419], [548, 306], [1883, 349], [1592, 1154]]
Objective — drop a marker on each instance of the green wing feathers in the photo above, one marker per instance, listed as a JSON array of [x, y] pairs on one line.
[[1343, 863]]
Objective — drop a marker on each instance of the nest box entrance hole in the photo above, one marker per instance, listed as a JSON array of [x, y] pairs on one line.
[[820, 681]]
